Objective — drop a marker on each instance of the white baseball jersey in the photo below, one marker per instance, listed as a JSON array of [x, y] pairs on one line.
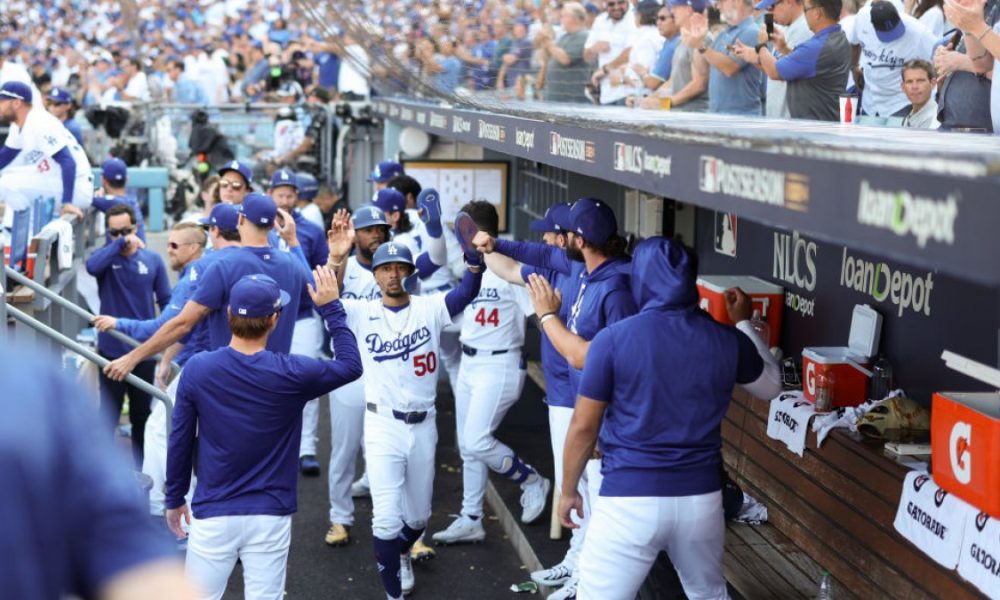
[[400, 349], [495, 319], [359, 282], [41, 137]]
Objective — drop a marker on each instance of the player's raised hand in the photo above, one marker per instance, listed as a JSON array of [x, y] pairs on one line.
[[285, 226], [738, 305], [134, 241], [484, 242], [340, 238], [544, 298], [429, 205], [326, 290]]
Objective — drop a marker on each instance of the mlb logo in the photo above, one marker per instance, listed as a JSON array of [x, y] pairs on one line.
[[619, 157], [708, 175], [554, 139]]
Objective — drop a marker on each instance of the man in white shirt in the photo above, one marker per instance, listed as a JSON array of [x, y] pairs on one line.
[[647, 44], [136, 84], [609, 42], [353, 77], [887, 39], [918, 83]]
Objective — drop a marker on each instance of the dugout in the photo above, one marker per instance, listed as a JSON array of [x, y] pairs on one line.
[[838, 215]]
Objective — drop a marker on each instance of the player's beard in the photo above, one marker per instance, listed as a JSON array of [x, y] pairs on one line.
[[574, 253], [367, 253]]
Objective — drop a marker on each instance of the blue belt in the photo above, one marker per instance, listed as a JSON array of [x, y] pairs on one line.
[[410, 418], [470, 351]]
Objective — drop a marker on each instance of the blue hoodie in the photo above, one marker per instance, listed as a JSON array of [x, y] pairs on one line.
[[667, 376]]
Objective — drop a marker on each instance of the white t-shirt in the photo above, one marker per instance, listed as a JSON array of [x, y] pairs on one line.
[[934, 21], [883, 95], [353, 75], [400, 350], [619, 35], [645, 49], [313, 214], [776, 107], [495, 319], [138, 88], [42, 137]]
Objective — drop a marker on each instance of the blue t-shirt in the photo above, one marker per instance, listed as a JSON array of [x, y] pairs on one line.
[[74, 127], [664, 61], [126, 286], [75, 518], [740, 94], [220, 276], [188, 91], [329, 69], [447, 80], [142, 330], [247, 413], [104, 203]]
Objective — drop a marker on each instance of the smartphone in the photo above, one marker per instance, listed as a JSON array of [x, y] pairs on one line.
[[769, 23], [955, 39]]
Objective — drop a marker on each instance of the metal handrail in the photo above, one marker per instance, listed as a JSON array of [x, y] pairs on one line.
[[80, 312], [93, 357]]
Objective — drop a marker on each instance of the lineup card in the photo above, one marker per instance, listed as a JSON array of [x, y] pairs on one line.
[[462, 182]]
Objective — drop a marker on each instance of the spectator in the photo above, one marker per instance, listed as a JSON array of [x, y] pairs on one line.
[[607, 43], [689, 70], [352, 80], [60, 104], [918, 83], [185, 89], [974, 19], [663, 67], [136, 85], [516, 62], [930, 13], [887, 40], [128, 279], [440, 63], [114, 176], [816, 71], [791, 29], [566, 73], [733, 88], [476, 58], [645, 47]]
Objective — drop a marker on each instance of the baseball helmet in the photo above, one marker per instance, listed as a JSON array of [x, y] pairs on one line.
[[308, 186], [391, 252], [368, 215]]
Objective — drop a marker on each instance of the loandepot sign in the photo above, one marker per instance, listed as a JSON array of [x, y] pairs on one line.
[[879, 281], [906, 214]]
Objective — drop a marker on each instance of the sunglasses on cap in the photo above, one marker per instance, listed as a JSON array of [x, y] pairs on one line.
[[123, 231]]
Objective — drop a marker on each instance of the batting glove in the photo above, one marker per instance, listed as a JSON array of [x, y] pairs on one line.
[[429, 203]]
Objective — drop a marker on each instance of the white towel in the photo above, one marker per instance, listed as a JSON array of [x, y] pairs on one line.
[[788, 420], [752, 512], [846, 417], [64, 232]]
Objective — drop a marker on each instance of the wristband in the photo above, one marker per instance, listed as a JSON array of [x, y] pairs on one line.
[[546, 317], [756, 49], [980, 37]]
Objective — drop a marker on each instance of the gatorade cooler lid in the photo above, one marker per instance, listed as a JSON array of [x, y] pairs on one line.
[[971, 368], [750, 285], [866, 331]]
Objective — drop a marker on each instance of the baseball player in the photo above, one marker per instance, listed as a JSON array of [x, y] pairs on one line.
[[399, 335], [594, 259], [235, 182], [307, 338], [59, 102], [490, 380], [245, 402], [209, 298], [383, 172], [40, 157], [347, 404], [114, 175], [308, 189], [657, 386]]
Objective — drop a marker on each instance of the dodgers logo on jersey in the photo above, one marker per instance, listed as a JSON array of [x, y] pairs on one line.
[[401, 347], [34, 156], [374, 294], [487, 295]]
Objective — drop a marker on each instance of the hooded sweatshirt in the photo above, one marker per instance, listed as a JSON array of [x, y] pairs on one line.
[[667, 376]]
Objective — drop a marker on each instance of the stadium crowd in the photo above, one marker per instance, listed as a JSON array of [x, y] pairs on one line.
[[917, 63]]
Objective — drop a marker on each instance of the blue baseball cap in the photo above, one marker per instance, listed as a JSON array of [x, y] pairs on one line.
[[242, 169], [391, 252], [284, 177], [368, 215], [555, 219], [385, 170], [696, 5], [888, 25], [308, 186], [259, 209], [256, 296], [389, 200], [114, 170], [225, 216], [59, 95], [15, 90], [593, 220], [765, 4]]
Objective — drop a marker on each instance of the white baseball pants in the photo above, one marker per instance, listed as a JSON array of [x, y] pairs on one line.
[[559, 418], [260, 541], [400, 471], [487, 387], [154, 452], [347, 419], [307, 340], [626, 534]]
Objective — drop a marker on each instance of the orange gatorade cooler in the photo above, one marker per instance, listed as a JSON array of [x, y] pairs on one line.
[[766, 296], [965, 438], [848, 365]]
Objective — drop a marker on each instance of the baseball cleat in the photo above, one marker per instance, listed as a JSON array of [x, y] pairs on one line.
[[337, 535], [462, 530], [360, 489], [308, 465], [566, 592], [406, 578], [421, 551], [553, 576], [533, 499]]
